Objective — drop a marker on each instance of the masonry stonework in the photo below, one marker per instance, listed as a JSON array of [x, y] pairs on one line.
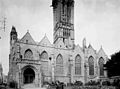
[[33, 62]]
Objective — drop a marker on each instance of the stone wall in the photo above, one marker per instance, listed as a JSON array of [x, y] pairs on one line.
[[90, 87]]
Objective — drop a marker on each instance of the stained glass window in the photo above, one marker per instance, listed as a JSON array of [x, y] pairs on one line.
[[101, 63], [44, 55], [78, 65], [91, 65], [28, 54], [59, 64]]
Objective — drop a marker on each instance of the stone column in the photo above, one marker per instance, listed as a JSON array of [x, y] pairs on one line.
[[70, 67], [53, 68], [19, 76], [85, 72]]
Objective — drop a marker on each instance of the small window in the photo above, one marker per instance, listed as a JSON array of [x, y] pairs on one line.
[[26, 41]]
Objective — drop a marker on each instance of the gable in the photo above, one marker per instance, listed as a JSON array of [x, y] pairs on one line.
[[101, 52], [78, 48], [27, 38], [60, 44], [91, 50], [45, 41]]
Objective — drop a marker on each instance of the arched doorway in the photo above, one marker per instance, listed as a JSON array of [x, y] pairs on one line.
[[29, 75]]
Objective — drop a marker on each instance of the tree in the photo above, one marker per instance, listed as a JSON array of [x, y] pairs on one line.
[[113, 65]]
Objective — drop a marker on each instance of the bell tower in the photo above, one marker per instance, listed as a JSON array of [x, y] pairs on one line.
[[63, 15]]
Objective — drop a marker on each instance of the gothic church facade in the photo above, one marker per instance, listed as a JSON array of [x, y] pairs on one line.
[[37, 62]]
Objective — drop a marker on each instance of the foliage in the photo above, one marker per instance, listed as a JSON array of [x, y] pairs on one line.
[[92, 83], [113, 65], [78, 83], [106, 83], [70, 84]]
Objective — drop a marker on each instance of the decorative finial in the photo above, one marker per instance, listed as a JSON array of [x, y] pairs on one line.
[[84, 42], [27, 30], [45, 34], [89, 45], [101, 46]]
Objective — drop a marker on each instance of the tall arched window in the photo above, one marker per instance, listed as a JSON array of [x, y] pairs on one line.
[[78, 65], [91, 65], [101, 63], [44, 62], [44, 55], [28, 54], [59, 64]]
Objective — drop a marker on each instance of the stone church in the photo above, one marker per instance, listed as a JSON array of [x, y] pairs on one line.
[[33, 62]]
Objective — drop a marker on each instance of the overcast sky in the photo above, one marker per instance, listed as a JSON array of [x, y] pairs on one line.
[[97, 20]]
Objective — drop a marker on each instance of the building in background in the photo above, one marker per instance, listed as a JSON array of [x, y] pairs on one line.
[[33, 62], [1, 73]]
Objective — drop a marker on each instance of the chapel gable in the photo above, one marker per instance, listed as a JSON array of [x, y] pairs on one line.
[[78, 48], [27, 38], [101, 54], [91, 50], [45, 41], [60, 44]]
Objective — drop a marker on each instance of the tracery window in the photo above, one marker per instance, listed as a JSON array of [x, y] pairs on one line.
[[44, 63], [78, 65], [59, 64], [91, 65], [44, 55], [28, 54], [101, 68]]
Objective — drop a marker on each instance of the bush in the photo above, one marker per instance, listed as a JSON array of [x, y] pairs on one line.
[[92, 83], [78, 83], [46, 83], [106, 83], [70, 84], [13, 84]]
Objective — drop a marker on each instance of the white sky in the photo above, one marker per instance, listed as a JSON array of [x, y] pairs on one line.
[[97, 20]]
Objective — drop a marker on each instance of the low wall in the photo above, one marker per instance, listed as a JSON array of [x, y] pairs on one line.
[[90, 87]]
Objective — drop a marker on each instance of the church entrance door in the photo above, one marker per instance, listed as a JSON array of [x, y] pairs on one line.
[[29, 75]]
